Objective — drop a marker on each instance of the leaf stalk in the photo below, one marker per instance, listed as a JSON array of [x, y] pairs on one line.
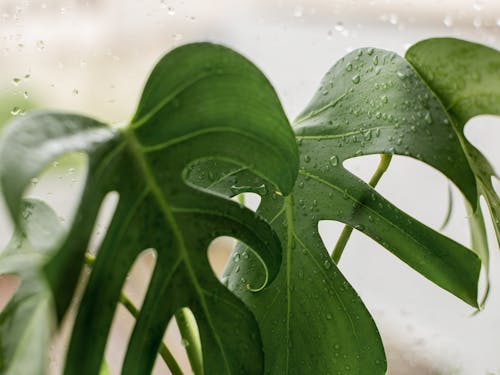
[[385, 160]]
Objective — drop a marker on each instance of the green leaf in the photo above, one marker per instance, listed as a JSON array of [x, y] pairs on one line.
[[311, 319], [28, 321], [201, 101], [466, 78]]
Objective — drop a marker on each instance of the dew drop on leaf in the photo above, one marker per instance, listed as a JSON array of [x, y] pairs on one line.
[[356, 79]]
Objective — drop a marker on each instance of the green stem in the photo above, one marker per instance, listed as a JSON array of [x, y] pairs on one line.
[[385, 160], [190, 339], [165, 354], [241, 199]]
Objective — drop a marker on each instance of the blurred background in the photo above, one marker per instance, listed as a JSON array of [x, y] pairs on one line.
[[93, 57]]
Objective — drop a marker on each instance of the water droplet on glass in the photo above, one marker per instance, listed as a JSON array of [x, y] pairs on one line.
[[170, 11], [25, 95], [40, 45], [34, 181], [327, 264], [448, 21], [348, 67], [75, 91], [339, 26], [375, 60], [16, 81], [478, 5], [384, 99], [334, 160], [298, 11], [356, 79], [370, 52]]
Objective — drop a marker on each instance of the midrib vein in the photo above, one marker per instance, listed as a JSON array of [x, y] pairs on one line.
[[168, 215], [289, 245]]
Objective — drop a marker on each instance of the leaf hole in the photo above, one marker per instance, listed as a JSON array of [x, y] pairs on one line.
[[416, 189], [106, 212], [484, 132], [8, 286], [134, 289], [173, 340], [219, 251], [249, 200], [329, 231]]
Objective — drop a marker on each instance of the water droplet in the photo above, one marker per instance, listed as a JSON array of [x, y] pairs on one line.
[[307, 158], [375, 60], [40, 45], [298, 11], [356, 79], [384, 99], [428, 118], [478, 5], [16, 81], [75, 91], [34, 181], [370, 52], [170, 11], [15, 111], [334, 160], [448, 21], [348, 67], [185, 343], [329, 316], [339, 26], [327, 264]]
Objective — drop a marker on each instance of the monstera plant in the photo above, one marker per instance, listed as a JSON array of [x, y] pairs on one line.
[[208, 127]]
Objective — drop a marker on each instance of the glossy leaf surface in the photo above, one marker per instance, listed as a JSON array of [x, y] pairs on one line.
[[466, 78], [312, 321], [201, 101]]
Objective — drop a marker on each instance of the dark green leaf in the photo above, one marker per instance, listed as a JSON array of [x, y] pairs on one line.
[[28, 320], [370, 102], [466, 78], [201, 102]]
